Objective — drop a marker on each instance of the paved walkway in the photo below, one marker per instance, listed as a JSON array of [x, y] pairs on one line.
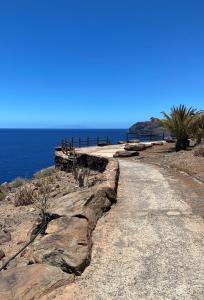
[[148, 246]]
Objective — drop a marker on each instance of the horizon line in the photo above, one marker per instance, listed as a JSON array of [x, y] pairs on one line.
[[34, 128]]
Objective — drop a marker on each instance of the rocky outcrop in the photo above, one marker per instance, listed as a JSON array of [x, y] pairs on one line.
[[31, 282], [64, 249], [67, 240], [151, 127], [66, 245]]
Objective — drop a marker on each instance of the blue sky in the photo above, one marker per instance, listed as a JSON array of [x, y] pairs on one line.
[[100, 63]]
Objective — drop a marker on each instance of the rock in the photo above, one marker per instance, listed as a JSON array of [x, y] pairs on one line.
[[66, 245], [2, 254], [70, 204], [134, 147], [133, 141], [126, 153], [148, 128], [147, 144], [158, 143], [102, 144], [58, 148], [121, 142], [9, 198], [4, 237], [31, 282], [170, 140]]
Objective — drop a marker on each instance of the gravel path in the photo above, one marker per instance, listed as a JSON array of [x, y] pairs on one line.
[[149, 246]]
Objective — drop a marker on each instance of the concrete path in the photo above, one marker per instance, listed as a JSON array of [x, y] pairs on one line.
[[148, 246]]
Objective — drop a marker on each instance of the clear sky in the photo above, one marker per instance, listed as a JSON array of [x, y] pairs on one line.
[[100, 63]]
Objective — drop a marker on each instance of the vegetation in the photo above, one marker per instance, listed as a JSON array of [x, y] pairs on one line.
[[42, 198], [25, 195], [17, 182], [44, 173], [183, 122], [197, 127]]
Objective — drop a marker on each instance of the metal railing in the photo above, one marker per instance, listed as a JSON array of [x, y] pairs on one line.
[[75, 142]]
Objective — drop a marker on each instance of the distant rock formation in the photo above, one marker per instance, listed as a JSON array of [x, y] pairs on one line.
[[151, 127]]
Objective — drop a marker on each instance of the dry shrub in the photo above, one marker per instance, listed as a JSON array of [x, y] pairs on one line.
[[42, 197], [81, 176], [25, 195], [199, 151], [44, 173], [17, 182]]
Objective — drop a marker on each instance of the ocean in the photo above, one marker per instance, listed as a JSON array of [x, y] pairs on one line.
[[26, 151]]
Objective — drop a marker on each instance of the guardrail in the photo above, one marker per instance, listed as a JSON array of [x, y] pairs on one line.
[[85, 142]]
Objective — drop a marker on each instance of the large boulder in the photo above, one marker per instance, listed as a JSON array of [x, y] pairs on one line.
[[134, 147], [126, 153], [31, 282], [66, 245]]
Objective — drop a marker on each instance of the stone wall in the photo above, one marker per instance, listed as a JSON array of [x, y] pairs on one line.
[[97, 163]]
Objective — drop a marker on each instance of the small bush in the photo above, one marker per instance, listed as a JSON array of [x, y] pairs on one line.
[[42, 197], [44, 173], [25, 195], [199, 152], [17, 182]]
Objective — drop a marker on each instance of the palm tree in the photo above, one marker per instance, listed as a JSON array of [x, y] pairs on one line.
[[197, 127], [179, 123]]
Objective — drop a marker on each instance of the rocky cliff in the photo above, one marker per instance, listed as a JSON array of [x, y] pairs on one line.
[[151, 127]]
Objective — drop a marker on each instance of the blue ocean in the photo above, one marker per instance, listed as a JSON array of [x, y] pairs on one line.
[[25, 151]]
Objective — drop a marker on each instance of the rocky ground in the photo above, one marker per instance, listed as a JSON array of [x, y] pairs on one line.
[[165, 156], [16, 222]]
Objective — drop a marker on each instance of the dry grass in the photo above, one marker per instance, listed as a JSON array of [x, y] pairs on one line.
[[25, 195], [44, 173], [17, 182]]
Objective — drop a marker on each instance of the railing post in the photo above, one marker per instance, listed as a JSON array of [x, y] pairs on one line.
[[79, 142], [87, 141]]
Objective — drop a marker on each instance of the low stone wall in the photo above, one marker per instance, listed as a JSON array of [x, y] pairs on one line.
[[65, 250], [92, 162]]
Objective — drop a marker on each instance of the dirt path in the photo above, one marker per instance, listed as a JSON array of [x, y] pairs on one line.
[[149, 246]]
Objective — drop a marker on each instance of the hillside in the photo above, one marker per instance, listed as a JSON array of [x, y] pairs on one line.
[[151, 127]]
